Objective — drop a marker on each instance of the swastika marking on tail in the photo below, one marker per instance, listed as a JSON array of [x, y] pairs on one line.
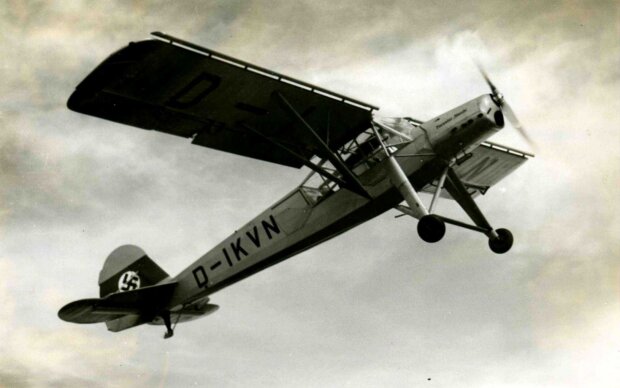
[[128, 281]]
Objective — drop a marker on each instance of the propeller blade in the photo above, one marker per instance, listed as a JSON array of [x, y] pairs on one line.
[[486, 78], [506, 109], [510, 115]]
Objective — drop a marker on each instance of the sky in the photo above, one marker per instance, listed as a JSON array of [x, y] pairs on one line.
[[373, 307]]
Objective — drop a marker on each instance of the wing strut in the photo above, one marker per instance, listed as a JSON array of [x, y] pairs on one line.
[[302, 159], [351, 180]]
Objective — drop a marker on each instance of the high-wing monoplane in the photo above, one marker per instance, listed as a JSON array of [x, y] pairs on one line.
[[360, 165]]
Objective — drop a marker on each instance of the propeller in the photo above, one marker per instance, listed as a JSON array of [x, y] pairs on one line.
[[498, 97]]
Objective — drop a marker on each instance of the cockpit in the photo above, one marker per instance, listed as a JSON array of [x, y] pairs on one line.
[[361, 154]]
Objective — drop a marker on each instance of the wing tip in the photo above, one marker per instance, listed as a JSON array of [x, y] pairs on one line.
[[73, 103], [79, 311]]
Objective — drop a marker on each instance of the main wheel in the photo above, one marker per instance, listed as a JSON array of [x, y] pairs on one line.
[[431, 228], [502, 243]]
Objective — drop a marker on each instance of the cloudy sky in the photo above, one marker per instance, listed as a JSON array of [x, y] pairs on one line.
[[374, 307]]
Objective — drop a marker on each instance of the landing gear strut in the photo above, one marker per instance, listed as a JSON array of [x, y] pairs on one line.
[[500, 240], [169, 331], [432, 227]]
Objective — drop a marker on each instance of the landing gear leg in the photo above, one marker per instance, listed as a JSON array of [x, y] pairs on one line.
[[500, 240], [169, 331], [430, 228]]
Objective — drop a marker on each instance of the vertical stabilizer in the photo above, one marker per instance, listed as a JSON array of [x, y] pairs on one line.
[[128, 268]]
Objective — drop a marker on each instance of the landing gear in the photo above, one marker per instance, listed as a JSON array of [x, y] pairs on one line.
[[431, 228], [169, 331], [502, 242]]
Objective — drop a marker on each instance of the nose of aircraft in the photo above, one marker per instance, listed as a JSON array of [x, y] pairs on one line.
[[492, 110], [499, 99], [499, 118]]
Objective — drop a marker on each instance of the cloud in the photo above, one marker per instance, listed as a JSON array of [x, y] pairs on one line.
[[35, 356]]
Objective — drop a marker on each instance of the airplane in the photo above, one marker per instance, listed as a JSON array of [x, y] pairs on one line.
[[361, 165]]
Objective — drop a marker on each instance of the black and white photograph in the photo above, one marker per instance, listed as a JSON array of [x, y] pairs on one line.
[[273, 193]]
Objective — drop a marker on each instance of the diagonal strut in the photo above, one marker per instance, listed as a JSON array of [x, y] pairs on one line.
[[299, 157], [352, 182]]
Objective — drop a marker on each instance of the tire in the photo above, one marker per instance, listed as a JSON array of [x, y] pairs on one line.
[[431, 228], [502, 243]]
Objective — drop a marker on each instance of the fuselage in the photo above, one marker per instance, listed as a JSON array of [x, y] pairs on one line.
[[307, 216]]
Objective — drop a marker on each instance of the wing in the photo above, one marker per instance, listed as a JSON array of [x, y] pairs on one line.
[[488, 164], [139, 302], [220, 102]]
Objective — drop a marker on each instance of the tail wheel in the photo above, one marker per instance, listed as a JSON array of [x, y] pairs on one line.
[[502, 243], [431, 228]]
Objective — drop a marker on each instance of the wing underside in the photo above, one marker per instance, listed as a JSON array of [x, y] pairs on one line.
[[486, 165], [219, 102]]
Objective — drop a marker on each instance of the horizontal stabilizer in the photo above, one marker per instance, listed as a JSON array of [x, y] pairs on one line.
[[91, 311], [142, 301]]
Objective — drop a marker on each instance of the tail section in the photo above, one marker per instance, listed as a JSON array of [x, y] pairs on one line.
[[134, 290], [131, 292], [128, 268]]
